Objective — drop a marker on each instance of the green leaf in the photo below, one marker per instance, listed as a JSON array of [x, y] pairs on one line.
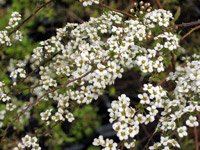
[[112, 91], [177, 14]]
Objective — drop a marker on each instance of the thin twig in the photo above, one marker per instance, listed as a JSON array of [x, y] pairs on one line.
[[150, 138], [130, 6], [192, 30], [46, 133], [74, 16], [173, 62], [196, 138], [188, 24], [158, 3]]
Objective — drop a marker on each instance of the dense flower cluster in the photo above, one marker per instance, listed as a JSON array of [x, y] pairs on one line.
[[186, 92], [14, 20], [18, 72], [4, 39], [108, 144], [127, 120], [4, 34], [89, 2], [81, 60], [28, 142], [183, 101], [6, 99], [158, 17]]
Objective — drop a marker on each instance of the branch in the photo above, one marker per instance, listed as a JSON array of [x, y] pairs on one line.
[[192, 30], [159, 5], [76, 79], [188, 24], [74, 16], [196, 138], [173, 62]]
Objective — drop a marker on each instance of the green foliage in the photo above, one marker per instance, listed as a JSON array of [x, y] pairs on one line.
[[112, 91], [187, 144], [157, 77], [94, 148], [87, 122]]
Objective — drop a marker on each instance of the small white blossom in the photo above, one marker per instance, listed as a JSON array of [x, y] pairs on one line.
[[182, 131], [192, 121]]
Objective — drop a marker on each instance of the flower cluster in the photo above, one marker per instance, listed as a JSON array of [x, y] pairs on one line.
[[28, 142], [89, 2], [18, 36], [186, 96], [2, 115], [4, 38], [46, 115], [165, 143], [172, 42], [5, 98], [108, 144], [82, 58], [158, 17], [19, 72], [7, 101], [82, 61], [182, 102], [126, 120], [14, 20], [190, 79], [122, 114], [5, 35]]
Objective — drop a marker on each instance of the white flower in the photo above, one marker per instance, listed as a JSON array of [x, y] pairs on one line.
[[182, 131], [134, 130], [123, 134], [45, 115], [192, 121], [27, 141], [144, 98], [140, 118]]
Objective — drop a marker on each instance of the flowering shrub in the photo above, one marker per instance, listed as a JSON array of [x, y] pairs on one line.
[[76, 65]]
